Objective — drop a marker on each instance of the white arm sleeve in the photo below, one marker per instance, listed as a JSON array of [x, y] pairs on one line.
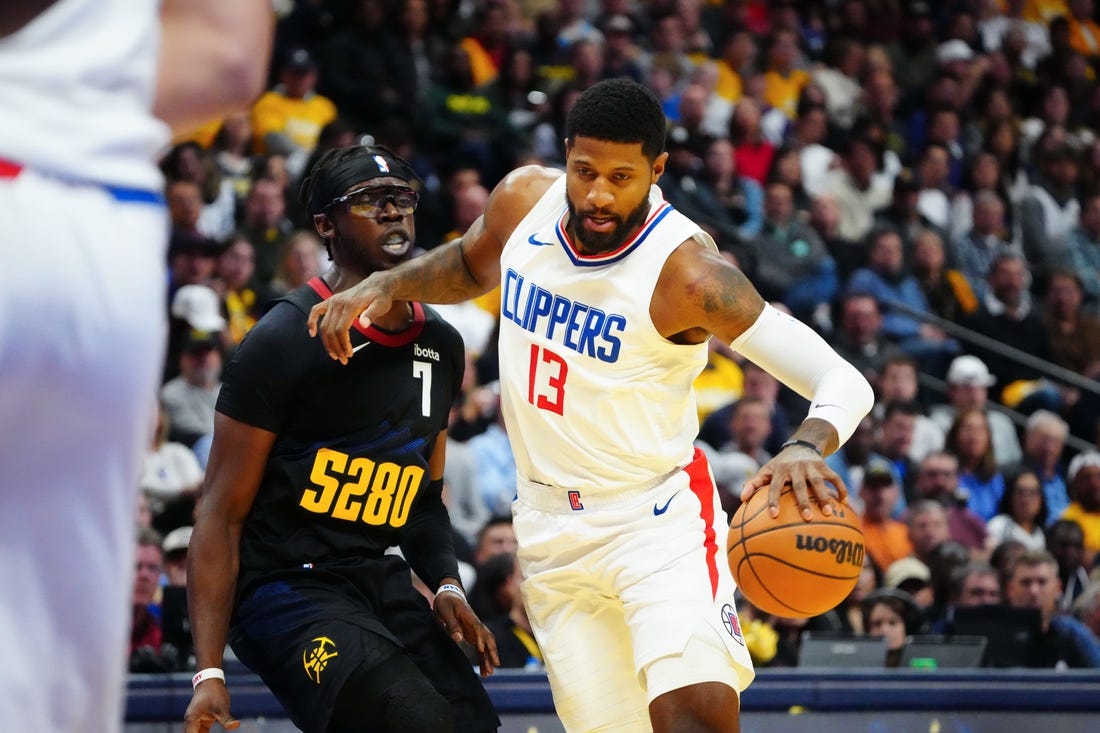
[[795, 355]]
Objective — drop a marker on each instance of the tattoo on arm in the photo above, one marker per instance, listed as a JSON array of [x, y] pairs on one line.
[[441, 276]]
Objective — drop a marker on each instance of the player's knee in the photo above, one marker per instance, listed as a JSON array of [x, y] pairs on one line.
[[414, 706], [391, 697]]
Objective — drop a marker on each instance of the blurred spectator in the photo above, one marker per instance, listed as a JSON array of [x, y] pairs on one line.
[[1044, 441], [145, 632], [912, 576], [790, 263], [1000, 18], [897, 382], [934, 177], [1050, 212], [756, 384], [858, 193], [1082, 254], [1066, 541], [176, 643], [495, 537], [903, 214], [783, 77], [1086, 609], [301, 260], [928, 528], [974, 251], [184, 200], [356, 69], [948, 291], [516, 642], [1074, 335], [887, 280], [969, 440], [171, 479], [859, 337], [232, 151], [1084, 33], [983, 176], [825, 220], [288, 118], [188, 161], [885, 539], [968, 383], [891, 613], [735, 462], [195, 309], [414, 50], [839, 78], [1033, 583], [266, 225], [735, 64], [895, 439], [975, 584], [753, 150], [937, 478], [1007, 315], [488, 42], [192, 260], [490, 595], [853, 458], [914, 53], [721, 381], [1021, 513], [1083, 478], [189, 399], [847, 616], [240, 301]]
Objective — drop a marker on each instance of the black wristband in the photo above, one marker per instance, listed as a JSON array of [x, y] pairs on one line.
[[803, 443]]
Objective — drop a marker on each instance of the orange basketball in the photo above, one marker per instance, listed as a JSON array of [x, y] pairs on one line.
[[790, 567]]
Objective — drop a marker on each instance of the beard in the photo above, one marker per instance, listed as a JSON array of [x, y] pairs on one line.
[[601, 242]]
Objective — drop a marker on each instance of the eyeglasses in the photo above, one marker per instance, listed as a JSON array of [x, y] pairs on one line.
[[371, 201]]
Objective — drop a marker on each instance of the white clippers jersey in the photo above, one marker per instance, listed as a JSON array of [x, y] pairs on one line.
[[594, 398], [76, 81]]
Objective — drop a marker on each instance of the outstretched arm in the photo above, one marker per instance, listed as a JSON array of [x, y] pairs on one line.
[[237, 460], [450, 273], [213, 59], [700, 292]]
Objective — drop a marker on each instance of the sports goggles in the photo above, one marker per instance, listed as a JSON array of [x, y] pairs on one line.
[[370, 201]]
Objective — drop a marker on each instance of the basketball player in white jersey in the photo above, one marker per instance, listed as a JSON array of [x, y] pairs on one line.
[[89, 91], [608, 298]]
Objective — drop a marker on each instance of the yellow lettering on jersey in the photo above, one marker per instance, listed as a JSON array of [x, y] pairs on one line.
[[378, 494]]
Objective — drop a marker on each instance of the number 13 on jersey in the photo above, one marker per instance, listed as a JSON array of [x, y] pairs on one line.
[[546, 380]]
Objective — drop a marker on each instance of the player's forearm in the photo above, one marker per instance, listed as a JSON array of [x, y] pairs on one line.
[[427, 541], [213, 59], [441, 276], [212, 567]]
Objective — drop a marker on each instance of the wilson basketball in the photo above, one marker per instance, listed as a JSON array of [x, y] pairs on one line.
[[790, 567]]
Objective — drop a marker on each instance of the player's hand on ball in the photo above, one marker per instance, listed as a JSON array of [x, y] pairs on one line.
[[808, 476], [209, 705], [460, 621]]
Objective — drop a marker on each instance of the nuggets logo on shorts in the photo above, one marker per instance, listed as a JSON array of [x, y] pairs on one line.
[[733, 626], [315, 658]]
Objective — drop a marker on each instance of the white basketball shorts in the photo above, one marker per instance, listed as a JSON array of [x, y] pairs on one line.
[[616, 588], [82, 313]]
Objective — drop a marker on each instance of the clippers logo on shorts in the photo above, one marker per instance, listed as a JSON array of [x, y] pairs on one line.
[[575, 501], [733, 626], [315, 658]]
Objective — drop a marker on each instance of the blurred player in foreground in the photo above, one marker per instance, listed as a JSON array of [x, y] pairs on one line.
[[90, 90]]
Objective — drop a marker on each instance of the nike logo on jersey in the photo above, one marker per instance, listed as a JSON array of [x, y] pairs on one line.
[[537, 243], [356, 348], [658, 511]]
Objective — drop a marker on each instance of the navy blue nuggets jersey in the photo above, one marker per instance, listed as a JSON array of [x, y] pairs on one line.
[[353, 440]]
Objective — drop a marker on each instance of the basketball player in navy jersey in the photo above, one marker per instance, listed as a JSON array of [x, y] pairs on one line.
[[90, 91], [609, 296], [315, 470]]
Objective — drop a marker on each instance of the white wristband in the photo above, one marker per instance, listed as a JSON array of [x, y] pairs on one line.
[[451, 588], [210, 673]]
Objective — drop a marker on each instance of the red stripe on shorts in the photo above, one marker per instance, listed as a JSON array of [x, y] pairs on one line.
[[9, 169], [703, 488]]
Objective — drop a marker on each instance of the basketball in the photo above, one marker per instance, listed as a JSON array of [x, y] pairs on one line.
[[789, 567]]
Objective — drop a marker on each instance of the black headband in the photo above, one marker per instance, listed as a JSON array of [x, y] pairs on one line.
[[372, 162]]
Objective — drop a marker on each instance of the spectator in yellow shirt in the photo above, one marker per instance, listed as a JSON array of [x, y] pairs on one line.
[[288, 119], [783, 82]]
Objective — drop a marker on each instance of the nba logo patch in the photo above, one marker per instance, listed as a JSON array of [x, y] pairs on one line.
[[575, 501], [733, 626], [383, 166]]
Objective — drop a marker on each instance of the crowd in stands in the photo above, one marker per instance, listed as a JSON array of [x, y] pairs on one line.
[[888, 171]]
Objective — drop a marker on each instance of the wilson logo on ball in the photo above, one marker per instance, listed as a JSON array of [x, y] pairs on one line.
[[845, 551]]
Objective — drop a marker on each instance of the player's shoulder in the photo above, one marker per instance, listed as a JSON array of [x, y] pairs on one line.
[[518, 191], [283, 319]]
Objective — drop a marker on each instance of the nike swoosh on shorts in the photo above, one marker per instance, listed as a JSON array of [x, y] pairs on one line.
[[658, 511]]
